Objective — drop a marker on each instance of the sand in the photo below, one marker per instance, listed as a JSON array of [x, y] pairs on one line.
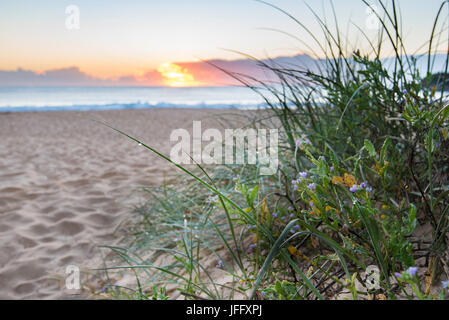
[[67, 183]]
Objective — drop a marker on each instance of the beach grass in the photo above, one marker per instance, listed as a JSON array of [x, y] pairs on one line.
[[362, 185]]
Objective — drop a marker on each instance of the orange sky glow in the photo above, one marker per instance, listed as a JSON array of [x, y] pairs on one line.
[[164, 43], [176, 76]]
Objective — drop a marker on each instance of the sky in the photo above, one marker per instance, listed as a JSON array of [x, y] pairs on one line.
[[132, 38]]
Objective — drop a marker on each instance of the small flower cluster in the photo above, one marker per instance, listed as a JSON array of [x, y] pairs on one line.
[[219, 265], [410, 272], [409, 277], [363, 185], [251, 247], [311, 186], [445, 284], [294, 230], [295, 184], [302, 176], [301, 142], [350, 181]]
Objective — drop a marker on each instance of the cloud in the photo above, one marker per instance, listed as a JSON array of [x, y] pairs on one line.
[[206, 73], [57, 77], [212, 71]]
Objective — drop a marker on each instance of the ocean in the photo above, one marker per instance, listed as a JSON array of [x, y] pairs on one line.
[[103, 98]]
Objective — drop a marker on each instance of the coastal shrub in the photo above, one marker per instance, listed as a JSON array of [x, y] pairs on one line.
[[363, 184]]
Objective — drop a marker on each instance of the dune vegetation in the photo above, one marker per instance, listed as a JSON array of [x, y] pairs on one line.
[[358, 209]]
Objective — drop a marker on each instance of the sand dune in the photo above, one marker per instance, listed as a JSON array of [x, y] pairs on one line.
[[66, 183]]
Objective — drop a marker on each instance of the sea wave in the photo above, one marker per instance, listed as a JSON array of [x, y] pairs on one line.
[[135, 105]]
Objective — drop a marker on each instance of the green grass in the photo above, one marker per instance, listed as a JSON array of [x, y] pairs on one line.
[[370, 147]]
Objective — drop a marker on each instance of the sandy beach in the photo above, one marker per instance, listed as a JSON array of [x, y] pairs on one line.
[[66, 184]]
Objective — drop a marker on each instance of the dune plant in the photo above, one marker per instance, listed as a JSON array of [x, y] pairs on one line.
[[363, 181]]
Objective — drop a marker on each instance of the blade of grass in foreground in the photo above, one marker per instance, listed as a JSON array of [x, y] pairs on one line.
[[210, 187], [272, 254]]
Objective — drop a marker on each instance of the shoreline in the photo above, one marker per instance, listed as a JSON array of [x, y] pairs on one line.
[[134, 106]]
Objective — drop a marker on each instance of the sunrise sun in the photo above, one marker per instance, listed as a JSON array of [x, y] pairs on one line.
[[176, 76]]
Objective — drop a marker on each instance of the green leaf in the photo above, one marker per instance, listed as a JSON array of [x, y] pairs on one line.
[[445, 111], [384, 149], [253, 195], [370, 148], [375, 237]]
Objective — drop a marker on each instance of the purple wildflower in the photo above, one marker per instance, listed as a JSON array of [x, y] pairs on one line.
[[311, 203], [332, 168], [445, 284], [311, 186], [295, 183], [353, 188], [364, 184], [369, 189], [290, 208], [263, 294], [251, 247], [412, 271], [322, 158], [303, 174], [398, 275], [220, 265]]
